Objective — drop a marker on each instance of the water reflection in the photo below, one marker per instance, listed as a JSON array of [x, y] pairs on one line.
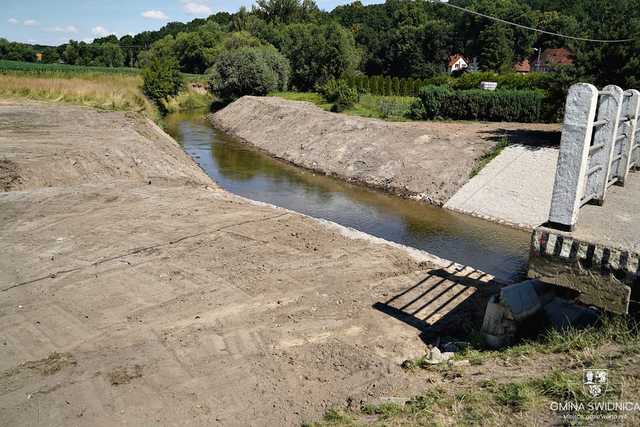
[[243, 170]]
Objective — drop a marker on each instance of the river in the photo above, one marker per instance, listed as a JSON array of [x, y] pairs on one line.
[[241, 169]]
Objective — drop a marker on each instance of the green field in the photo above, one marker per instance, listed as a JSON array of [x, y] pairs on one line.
[[40, 68]]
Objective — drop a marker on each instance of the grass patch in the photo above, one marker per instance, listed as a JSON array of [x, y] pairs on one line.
[[393, 108], [312, 97], [383, 411], [188, 100], [527, 401], [116, 92], [516, 396], [333, 417], [486, 158]]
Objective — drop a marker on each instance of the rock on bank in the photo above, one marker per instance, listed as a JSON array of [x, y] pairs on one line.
[[427, 160]]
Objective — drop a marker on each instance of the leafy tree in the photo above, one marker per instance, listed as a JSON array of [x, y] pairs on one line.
[[287, 11], [497, 52], [71, 53], [317, 52], [162, 78], [193, 51], [248, 71], [109, 55]]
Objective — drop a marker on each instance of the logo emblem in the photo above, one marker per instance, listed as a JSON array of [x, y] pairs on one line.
[[595, 381]]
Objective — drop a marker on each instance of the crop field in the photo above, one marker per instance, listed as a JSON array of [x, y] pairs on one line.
[[40, 68]]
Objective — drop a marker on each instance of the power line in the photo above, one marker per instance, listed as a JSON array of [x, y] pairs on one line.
[[473, 12]]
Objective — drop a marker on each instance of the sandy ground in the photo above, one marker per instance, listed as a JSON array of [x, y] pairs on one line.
[[135, 291], [430, 161], [515, 188]]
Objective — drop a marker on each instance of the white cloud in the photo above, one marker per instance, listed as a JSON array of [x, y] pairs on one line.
[[12, 21], [155, 14], [100, 31], [67, 29], [196, 8], [30, 23]]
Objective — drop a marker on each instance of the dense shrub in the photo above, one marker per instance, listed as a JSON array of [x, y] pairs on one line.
[[432, 102], [162, 78], [248, 71], [513, 81], [501, 105], [384, 85], [340, 94]]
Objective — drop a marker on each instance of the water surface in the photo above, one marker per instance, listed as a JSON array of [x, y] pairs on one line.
[[241, 169]]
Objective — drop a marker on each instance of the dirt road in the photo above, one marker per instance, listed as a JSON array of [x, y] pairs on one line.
[[134, 291], [429, 161]]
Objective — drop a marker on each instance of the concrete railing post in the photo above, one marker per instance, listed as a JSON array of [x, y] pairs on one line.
[[604, 141], [630, 111], [571, 172]]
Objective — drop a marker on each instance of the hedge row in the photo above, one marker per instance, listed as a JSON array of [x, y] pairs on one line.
[[394, 86], [501, 105], [386, 85]]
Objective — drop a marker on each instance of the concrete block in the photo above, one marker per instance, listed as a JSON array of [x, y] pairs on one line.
[[498, 328], [562, 314], [435, 356], [571, 170], [521, 299], [560, 259]]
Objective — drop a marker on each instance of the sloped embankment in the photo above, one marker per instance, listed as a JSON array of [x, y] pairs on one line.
[[425, 160]]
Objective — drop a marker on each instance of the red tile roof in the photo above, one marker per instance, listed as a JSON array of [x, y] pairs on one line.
[[523, 66], [560, 56], [454, 58]]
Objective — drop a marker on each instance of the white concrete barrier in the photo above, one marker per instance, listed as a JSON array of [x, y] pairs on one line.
[[595, 152]]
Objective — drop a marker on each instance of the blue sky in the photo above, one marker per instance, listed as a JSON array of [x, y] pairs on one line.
[[55, 22]]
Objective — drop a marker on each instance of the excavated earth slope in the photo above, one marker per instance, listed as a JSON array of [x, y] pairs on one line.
[[425, 160], [135, 291]]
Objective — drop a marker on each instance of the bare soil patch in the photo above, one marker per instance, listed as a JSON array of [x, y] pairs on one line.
[[9, 176], [120, 251]]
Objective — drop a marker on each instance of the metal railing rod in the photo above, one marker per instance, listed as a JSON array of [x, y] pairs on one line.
[[587, 199], [594, 170], [595, 148]]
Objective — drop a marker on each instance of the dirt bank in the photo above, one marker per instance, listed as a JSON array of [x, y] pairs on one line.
[[426, 160], [134, 291]]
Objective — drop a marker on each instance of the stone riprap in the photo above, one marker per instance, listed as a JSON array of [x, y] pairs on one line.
[[514, 189]]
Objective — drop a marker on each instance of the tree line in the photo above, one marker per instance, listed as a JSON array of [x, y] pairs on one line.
[[400, 38]]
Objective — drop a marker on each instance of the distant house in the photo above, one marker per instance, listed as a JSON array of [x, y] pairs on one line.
[[457, 62], [39, 57], [522, 67], [551, 57]]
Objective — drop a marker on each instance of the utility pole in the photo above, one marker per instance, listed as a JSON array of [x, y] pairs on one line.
[[538, 68]]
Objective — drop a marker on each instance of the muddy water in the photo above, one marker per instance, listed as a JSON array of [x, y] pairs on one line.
[[242, 170]]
